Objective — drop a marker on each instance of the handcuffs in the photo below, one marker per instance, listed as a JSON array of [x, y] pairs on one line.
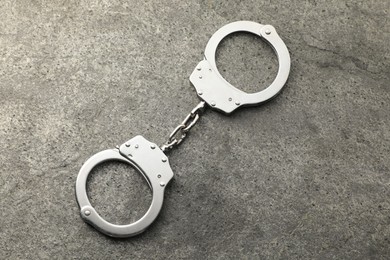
[[150, 160]]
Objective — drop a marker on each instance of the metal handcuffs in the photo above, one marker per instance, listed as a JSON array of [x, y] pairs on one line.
[[150, 160]]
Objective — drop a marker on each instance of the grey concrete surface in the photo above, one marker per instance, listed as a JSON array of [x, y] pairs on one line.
[[305, 176]]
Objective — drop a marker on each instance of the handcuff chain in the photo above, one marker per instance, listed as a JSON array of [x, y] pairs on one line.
[[180, 132]]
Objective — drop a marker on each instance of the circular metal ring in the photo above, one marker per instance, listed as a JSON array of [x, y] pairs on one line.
[[220, 94], [89, 214]]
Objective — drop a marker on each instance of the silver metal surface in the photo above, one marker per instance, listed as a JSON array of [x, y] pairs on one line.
[[180, 132], [152, 163], [220, 94]]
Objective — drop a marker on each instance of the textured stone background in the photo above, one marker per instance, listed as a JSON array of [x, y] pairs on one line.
[[305, 176]]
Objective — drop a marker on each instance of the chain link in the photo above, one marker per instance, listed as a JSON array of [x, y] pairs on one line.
[[180, 132]]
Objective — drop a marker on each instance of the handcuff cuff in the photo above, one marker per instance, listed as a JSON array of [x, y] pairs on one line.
[[150, 160]]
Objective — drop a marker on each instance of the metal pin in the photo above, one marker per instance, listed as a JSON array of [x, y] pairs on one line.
[[200, 77], [164, 159], [268, 31], [213, 103], [87, 213], [136, 146], [162, 184], [127, 144], [238, 103], [153, 146]]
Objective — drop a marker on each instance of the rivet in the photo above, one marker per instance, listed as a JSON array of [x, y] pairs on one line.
[[127, 144], [87, 213], [230, 99], [268, 31], [238, 103], [153, 146], [162, 184], [213, 103], [164, 159], [199, 68], [200, 93], [200, 77], [158, 175], [136, 146], [117, 146]]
